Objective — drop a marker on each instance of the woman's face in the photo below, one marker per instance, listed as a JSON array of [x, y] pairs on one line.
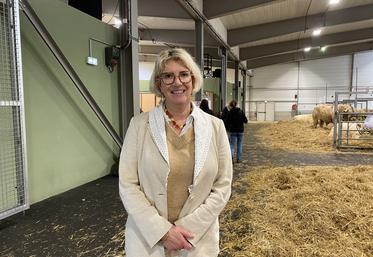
[[176, 83]]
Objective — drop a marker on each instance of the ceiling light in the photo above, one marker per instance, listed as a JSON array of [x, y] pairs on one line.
[[307, 49], [334, 1], [323, 48], [316, 32]]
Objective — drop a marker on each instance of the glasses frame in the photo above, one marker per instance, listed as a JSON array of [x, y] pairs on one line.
[[160, 77]]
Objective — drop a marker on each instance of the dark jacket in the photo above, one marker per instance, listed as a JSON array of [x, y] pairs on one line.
[[235, 120], [224, 116], [208, 110]]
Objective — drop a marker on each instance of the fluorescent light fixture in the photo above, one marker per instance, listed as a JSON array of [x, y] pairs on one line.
[[316, 32], [334, 1], [323, 48], [307, 49]]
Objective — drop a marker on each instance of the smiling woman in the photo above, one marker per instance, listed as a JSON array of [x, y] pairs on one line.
[[177, 92], [172, 194]]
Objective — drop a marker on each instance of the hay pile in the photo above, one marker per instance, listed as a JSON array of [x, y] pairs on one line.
[[303, 212], [296, 135]]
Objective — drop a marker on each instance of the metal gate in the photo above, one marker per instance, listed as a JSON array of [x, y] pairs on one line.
[[13, 191], [351, 130]]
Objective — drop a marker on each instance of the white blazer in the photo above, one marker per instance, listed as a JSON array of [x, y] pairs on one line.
[[143, 173]]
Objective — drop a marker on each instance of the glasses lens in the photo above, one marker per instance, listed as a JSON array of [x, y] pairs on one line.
[[185, 76], [169, 78]]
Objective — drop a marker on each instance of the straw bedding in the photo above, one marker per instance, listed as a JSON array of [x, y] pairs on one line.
[[298, 135], [300, 211]]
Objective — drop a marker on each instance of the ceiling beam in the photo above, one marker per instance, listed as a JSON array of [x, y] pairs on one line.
[[182, 37], [218, 8], [313, 54], [149, 54], [154, 50], [278, 28], [162, 8], [293, 45]]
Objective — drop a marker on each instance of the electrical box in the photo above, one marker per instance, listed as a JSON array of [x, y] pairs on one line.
[[112, 55]]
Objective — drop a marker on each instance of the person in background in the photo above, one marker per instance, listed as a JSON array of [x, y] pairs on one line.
[[235, 123], [224, 116], [175, 169], [204, 105]]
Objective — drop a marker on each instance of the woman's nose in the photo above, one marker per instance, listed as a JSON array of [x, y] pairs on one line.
[[178, 81]]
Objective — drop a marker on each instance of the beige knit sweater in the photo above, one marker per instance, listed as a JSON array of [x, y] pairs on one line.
[[181, 156]]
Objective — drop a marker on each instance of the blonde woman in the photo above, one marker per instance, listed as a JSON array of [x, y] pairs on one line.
[[175, 168]]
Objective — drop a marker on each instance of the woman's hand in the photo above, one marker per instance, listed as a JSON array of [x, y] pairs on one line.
[[177, 239]]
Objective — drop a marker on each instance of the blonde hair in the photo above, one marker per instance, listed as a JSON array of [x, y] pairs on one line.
[[178, 55]]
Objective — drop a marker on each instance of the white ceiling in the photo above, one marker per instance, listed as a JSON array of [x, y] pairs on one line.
[[283, 10], [269, 12], [308, 33]]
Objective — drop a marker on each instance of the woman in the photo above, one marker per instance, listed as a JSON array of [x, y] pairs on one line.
[[175, 171], [235, 120]]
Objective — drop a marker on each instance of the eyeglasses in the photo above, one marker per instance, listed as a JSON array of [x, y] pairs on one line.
[[168, 78]]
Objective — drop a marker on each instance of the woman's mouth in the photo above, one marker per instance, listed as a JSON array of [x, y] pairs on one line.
[[178, 91]]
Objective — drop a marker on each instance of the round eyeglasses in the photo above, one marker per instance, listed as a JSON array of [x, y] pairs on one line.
[[168, 78]]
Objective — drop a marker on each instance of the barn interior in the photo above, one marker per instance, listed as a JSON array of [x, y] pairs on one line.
[[73, 74]]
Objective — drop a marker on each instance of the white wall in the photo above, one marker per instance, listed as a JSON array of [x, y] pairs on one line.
[[310, 81], [322, 77], [363, 68], [274, 83]]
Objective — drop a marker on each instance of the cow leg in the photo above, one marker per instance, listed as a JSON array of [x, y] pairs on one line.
[[321, 123], [315, 121]]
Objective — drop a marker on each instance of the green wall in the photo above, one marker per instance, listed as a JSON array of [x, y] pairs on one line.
[[66, 144]]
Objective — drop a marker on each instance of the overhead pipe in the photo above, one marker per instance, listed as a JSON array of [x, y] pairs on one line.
[[56, 51]]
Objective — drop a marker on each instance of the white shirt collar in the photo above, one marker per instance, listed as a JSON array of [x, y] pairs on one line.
[[189, 120]]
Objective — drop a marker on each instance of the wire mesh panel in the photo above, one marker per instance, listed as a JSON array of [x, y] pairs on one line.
[[13, 196]]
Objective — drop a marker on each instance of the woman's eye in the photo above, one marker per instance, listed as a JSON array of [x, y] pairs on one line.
[[184, 74], [168, 76]]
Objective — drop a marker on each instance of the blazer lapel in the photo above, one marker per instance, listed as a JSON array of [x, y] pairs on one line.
[[157, 130], [203, 134]]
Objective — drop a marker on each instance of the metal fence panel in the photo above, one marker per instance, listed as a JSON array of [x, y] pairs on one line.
[[13, 190]]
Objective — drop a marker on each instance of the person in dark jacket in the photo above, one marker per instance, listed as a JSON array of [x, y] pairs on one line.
[[235, 125], [224, 116], [204, 105]]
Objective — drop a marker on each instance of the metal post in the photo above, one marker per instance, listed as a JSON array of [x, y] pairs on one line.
[[236, 80], [129, 63], [47, 38], [250, 94], [326, 92], [355, 104], [223, 78], [199, 53], [298, 88], [335, 120], [352, 72], [244, 91]]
